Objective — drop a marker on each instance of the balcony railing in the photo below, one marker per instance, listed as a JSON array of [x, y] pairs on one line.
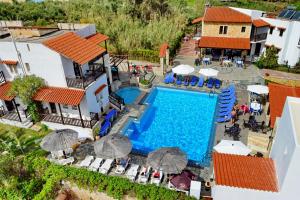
[[2, 77], [10, 115], [259, 37], [87, 79]]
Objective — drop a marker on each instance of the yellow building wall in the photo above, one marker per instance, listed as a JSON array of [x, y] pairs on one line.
[[233, 30]]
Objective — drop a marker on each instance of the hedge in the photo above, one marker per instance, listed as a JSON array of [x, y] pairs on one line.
[[144, 54], [113, 186]]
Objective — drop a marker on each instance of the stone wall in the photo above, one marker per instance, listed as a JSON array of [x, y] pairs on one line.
[[234, 30]]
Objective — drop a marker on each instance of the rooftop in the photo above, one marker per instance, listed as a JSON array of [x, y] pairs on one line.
[[260, 23], [74, 47], [277, 98], [295, 112], [224, 42], [97, 38], [59, 95], [4, 90], [163, 50], [225, 14], [245, 172]]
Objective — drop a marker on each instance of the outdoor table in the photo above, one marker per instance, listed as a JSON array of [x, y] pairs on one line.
[[227, 63], [239, 63]]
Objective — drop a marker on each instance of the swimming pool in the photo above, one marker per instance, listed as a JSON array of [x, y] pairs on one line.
[[175, 118], [129, 94]]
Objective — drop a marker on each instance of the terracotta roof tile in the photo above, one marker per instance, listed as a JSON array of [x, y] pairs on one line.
[[4, 91], [163, 50], [97, 38], [197, 20], [224, 43], [260, 23], [225, 14], [59, 95], [245, 172], [99, 89], [74, 47], [9, 62], [277, 97]]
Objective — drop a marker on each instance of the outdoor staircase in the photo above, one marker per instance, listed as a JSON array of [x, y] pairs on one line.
[[116, 100]]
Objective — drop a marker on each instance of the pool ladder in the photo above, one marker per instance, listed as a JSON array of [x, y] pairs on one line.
[[211, 93]]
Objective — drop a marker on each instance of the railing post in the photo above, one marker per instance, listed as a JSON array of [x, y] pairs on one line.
[[61, 115]]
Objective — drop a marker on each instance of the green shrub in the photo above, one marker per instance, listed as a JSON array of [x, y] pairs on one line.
[[144, 82], [144, 54]]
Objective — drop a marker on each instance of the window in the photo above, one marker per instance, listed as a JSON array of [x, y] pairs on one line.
[[27, 66], [243, 29], [65, 106], [74, 108], [281, 32], [223, 29], [271, 30], [28, 48], [13, 69]]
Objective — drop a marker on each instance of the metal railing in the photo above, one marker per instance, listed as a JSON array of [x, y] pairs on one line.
[[2, 77], [259, 37], [116, 100]]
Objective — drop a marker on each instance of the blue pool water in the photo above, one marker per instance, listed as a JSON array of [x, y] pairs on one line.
[[175, 118], [129, 94]]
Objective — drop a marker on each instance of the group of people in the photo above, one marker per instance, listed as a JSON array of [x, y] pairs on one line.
[[236, 110]]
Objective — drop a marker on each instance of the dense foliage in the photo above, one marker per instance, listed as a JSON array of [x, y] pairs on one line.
[[269, 60]]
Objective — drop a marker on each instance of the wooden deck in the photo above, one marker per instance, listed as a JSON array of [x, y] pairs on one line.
[[69, 121]]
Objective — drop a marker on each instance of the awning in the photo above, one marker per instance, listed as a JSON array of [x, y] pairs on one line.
[[4, 91], [197, 20], [59, 95], [9, 62], [99, 89], [224, 43]]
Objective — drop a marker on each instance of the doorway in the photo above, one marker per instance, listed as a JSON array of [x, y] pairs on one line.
[[257, 49], [9, 105], [53, 107], [76, 67]]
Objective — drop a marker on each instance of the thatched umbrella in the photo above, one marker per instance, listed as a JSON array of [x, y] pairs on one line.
[[59, 140], [170, 160], [113, 146]]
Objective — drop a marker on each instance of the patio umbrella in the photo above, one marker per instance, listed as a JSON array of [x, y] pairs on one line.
[[113, 146], [59, 140], [171, 160], [209, 72], [232, 147], [181, 181], [258, 89], [183, 69]]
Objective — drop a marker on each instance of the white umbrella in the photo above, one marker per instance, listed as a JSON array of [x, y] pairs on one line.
[[183, 69], [258, 89], [232, 147], [209, 72]]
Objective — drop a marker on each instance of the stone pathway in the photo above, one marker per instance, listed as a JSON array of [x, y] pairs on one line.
[[279, 74]]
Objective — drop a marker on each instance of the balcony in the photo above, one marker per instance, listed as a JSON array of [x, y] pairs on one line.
[[90, 76], [259, 37]]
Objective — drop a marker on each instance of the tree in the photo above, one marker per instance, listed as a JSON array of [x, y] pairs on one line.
[[25, 87], [269, 59]]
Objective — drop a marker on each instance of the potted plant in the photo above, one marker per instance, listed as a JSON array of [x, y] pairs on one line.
[[145, 83]]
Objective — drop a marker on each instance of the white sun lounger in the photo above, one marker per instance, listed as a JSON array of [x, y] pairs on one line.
[[195, 189], [144, 175], [120, 169], [66, 161], [132, 172], [86, 162], [106, 166], [157, 180], [96, 164]]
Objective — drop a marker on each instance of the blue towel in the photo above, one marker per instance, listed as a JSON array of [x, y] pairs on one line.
[[194, 81], [201, 81]]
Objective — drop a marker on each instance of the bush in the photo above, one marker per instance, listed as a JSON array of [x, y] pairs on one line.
[[144, 54], [269, 60], [144, 82]]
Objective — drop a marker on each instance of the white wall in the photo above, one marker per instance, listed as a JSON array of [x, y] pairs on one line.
[[43, 62], [254, 14], [290, 50], [92, 104], [87, 30]]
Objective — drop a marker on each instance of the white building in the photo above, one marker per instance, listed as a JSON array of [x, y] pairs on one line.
[[75, 68], [285, 36], [274, 178]]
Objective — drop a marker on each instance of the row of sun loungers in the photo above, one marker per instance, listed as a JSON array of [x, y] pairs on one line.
[[192, 80], [227, 99], [107, 124], [132, 171]]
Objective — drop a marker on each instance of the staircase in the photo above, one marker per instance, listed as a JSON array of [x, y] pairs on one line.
[[116, 100]]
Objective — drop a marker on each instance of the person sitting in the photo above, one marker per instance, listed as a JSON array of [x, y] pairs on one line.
[[245, 108], [233, 116]]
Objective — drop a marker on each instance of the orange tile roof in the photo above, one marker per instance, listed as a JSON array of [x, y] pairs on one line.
[[163, 50], [245, 172], [277, 98], [100, 88], [260, 23], [74, 47], [97, 38], [59, 95], [9, 62], [4, 91], [224, 43], [225, 14], [197, 20]]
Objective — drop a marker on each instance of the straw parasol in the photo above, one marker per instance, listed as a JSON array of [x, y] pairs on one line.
[[113, 146], [171, 160], [59, 140]]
